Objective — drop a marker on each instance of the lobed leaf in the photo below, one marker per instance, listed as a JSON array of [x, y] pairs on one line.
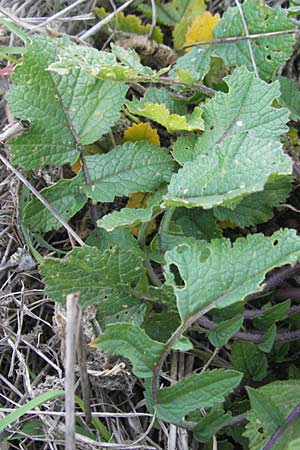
[[158, 112], [231, 170], [64, 111], [84, 270], [246, 107], [225, 273], [269, 52]]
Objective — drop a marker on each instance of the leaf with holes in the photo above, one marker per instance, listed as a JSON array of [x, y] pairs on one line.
[[240, 166], [84, 270], [269, 52], [64, 111], [226, 273], [247, 107]]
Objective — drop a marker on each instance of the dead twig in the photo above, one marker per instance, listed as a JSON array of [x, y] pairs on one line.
[[230, 40], [42, 199], [72, 335], [104, 21]]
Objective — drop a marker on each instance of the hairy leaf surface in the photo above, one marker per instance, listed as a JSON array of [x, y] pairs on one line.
[[246, 107], [269, 52], [131, 341], [131, 167], [85, 270], [202, 390], [65, 196], [221, 273], [64, 111], [235, 168]]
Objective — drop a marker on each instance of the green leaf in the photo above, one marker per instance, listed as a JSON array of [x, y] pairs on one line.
[[235, 168], [226, 273], [132, 216], [272, 315], [123, 308], [268, 340], [202, 390], [193, 66], [294, 445], [118, 238], [247, 358], [197, 223], [132, 342], [172, 122], [265, 410], [85, 270], [285, 396], [258, 207], [120, 64], [131, 167], [65, 197], [290, 96], [63, 111], [210, 424], [269, 52], [220, 335], [22, 410], [246, 107]]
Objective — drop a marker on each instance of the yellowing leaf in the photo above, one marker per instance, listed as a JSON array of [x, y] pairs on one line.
[[201, 28], [130, 24], [76, 166], [139, 132], [172, 122], [188, 10], [140, 200]]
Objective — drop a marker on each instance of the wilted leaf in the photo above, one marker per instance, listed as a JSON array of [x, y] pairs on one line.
[[172, 122], [140, 132], [129, 24]]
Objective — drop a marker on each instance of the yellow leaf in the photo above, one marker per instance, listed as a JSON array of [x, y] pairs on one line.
[[139, 200], [76, 166], [201, 28], [141, 131]]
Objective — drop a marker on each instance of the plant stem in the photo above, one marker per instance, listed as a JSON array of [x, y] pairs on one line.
[[289, 420], [165, 225], [228, 40]]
